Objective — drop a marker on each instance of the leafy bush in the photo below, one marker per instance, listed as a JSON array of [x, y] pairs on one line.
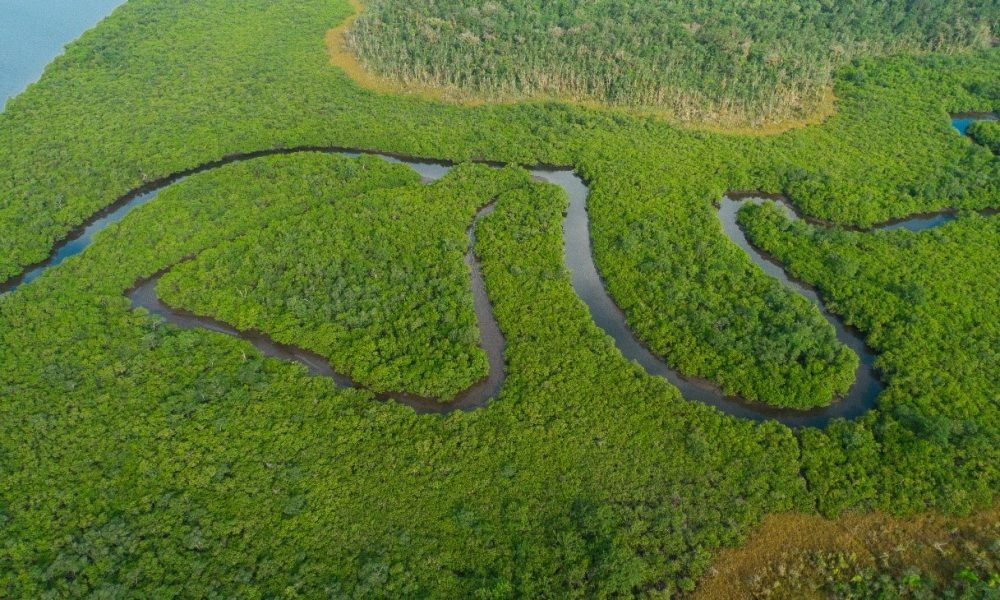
[[376, 283], [986, 133], [142, 459]]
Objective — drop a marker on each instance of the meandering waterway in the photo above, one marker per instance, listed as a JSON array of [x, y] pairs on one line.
[[586, 280], [143, 295], [588, 284]]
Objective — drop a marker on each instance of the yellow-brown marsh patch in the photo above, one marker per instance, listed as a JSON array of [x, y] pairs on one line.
[[926, 541]]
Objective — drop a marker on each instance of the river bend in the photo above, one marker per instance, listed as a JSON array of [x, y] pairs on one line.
[[143, 294], [586, 280]]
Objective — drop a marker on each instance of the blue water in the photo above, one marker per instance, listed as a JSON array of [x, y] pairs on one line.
[[962, 123], [78, 243], [921, 223], [33, 32]]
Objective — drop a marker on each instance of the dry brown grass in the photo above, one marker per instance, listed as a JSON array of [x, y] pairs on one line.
[[341, 56], [927, 542], [825, 108]]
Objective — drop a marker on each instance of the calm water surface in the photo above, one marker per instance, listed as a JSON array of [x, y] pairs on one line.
[[33, 32], [962, 121], [586, 282]]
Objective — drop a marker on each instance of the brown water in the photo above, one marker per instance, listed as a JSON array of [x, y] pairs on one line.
[[586, 281], [143, 295], [589, 286]]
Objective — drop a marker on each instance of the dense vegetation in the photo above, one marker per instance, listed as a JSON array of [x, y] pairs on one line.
[[929, 303], [377, 284], [892, 115], [734, 61], [772, 345], [986, 133], [199, 468], [143, 459]]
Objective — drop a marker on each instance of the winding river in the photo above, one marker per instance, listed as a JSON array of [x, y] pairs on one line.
[[586, 280], [143, 294]]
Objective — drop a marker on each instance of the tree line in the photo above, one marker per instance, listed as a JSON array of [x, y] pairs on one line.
[[738, 62], [139, 458]]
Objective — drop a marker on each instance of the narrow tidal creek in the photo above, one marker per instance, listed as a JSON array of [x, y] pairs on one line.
[[586, 280]]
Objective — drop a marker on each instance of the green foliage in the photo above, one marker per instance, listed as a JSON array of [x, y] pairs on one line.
[[138, 458], [198, 468], [771, 345], [266, 67], [375, 283], [928, 303], [192, 73], [986, 133], [838, 464], [745, 61]]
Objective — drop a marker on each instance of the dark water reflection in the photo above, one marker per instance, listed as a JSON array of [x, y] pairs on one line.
[[588, 284], [586, 281], [863, 393], [33, 32], [491, 339]]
